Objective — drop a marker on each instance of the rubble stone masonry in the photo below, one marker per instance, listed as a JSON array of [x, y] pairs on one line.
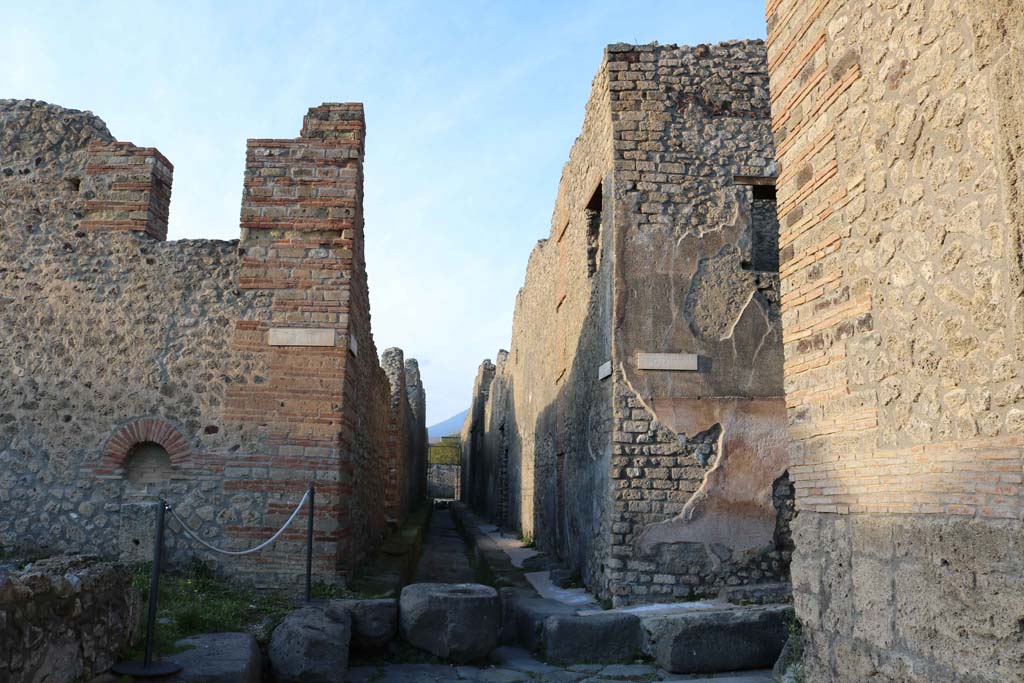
[[899, 129], [224, 376], [651, 475]]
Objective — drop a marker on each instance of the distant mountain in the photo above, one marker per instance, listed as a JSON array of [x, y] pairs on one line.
[[448, 427]]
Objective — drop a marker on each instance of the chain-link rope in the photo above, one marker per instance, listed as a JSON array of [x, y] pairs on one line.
[[192, 534]]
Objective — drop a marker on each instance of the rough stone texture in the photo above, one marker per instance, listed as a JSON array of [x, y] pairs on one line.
[[651, 484], [219, 658], [132, 368], [311, 646], [374, 621], [64, 619], [405, 443], [610, 637], [419, 442], [443, 481], [455, 621], [898, 129], [704, 641]]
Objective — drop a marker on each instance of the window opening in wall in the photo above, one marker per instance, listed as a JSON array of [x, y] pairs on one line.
[[592, 217], [764, 230], [147, 466]]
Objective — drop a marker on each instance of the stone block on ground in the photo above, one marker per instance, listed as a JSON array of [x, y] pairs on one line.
[[457, 621], [374, 621], [311, 646], [219, 658], [607, 638], [523, 617], [712, 641]]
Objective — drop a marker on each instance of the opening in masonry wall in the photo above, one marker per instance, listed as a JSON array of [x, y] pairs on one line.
[[148, 464], [592, 216], [764, 230]]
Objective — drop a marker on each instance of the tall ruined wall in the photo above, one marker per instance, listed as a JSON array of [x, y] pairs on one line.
[[224, 376], [696, 453], [652, 478], [899, 129], [403, 466], [419, 443], [540, 436], [474, 472]]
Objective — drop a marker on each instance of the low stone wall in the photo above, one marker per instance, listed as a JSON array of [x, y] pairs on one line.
[[443, 481], [64, 619]]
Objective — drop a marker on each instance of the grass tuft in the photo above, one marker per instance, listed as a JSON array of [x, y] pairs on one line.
[[196, 601]]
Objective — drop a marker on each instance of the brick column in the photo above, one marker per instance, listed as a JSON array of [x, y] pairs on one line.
[[301, 214], [127, 188]]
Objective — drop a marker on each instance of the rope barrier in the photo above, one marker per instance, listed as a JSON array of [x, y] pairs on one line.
[[261, 546]]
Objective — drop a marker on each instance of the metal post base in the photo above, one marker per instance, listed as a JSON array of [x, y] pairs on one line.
[[143, 670]]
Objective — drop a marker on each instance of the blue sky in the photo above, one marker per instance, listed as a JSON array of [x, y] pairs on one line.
[[471, 110]]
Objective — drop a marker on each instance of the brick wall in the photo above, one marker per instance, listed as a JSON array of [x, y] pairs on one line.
[[898, 131], [251, 363], [127, 188]]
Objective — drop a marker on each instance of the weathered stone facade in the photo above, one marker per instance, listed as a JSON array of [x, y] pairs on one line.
[[406, 443], [224, 376], [65, 619], [443, 481], [636, 426], [900, 133]]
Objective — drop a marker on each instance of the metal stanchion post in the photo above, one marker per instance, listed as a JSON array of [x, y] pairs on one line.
[[309, 546], [148, 668]]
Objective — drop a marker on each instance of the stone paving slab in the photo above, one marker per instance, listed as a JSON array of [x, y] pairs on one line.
[[516, 665]]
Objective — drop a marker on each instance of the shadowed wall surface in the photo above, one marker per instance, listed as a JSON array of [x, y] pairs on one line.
[[654, 482]]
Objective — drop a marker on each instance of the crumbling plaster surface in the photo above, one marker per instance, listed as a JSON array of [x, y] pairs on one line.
[[593, 461], [733, 506], [684, 249]]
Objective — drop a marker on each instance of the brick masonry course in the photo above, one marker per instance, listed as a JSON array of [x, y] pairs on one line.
[[121, 345]]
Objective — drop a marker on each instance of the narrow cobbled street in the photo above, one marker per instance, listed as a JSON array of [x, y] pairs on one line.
[[445, 557]]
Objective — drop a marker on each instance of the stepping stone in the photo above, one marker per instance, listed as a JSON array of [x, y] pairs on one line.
[[713, 641], [456, 621], [219, 658], [311, 646], [606, 638], [374, 622]]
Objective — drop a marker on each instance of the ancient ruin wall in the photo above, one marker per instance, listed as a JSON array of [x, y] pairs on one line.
[[899, 131], [65, 619], [419, 443], [666, 476], [403, 475], [539, 434], [207, 372], [696, 453]]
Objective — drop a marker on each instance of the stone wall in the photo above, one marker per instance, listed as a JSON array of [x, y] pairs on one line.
[[419, 442], [443, 481], [65, 619], [241, 372], [406, 445], [652, 481], [899, 135]]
